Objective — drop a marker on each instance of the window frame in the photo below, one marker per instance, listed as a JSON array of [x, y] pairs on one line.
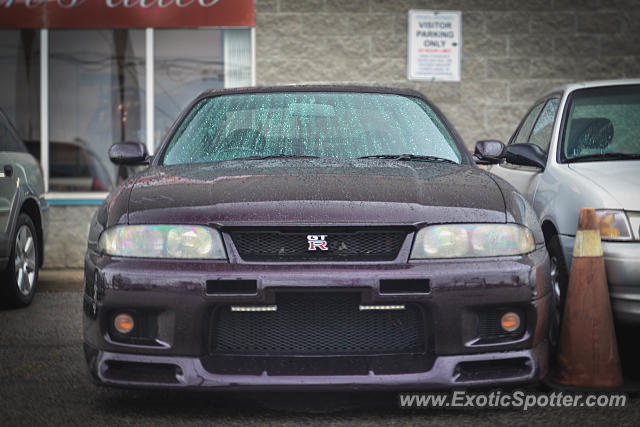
[[516, 133], [544, 100], [96, 198], [555, 116]]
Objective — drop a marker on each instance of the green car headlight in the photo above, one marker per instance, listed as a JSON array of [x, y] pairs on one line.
[[471, 241], [162, 241]]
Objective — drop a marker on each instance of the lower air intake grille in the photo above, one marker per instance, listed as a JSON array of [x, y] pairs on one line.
[[318, 324], [342, 245]]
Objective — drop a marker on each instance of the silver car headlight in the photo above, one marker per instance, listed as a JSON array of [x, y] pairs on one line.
[[162, 241], [614, 225], [472, 241], [634, 221]]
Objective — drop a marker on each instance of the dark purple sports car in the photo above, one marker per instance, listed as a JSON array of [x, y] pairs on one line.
[[314, 237]]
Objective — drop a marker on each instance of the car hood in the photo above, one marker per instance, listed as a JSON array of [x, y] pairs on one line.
[[619, 179], [315, 191]]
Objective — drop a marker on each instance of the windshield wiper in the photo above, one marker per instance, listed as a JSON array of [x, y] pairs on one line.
[[277, 156], [604, 156], [409, 157]]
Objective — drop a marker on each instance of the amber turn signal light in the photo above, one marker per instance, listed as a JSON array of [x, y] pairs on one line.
[[123, 323], [510, 321], [608, 226]]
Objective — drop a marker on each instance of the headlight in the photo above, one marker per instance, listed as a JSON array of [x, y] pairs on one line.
[[634, 220], [472, 240], [162, 241], [614, 225]]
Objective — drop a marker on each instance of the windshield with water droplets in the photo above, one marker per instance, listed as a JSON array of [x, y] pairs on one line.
[[327, 124]]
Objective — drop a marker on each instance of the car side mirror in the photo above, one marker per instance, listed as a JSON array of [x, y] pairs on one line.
[[526, 155], [488, 152], [129, 153]]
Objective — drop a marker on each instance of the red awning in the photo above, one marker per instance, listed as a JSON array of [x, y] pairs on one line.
[[126, 13]]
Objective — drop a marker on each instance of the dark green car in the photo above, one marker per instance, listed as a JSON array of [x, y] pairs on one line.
[[23, 218]]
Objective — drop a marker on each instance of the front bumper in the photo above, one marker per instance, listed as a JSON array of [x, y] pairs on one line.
[[177, 293], [514, 367], [622, 264]]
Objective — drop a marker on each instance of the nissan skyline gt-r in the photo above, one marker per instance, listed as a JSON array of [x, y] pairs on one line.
[[314, 237]]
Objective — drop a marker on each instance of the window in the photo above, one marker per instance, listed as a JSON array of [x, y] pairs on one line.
[[96, 92], [20, 84], [8, 141], [602, 124], [190, 61], [342, 125], [525, 129], [541, 134]]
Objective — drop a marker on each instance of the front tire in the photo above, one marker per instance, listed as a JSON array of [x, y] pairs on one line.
[[21, 274], [559, 284]]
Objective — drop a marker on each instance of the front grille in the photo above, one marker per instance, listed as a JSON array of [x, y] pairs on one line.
[[342, 245], [387, 364], [317, 324]]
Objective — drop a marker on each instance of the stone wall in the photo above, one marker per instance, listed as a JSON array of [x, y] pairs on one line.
[[67, 236], [513, 50]]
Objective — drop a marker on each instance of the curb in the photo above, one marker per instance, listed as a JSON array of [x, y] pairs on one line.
[[67, 280]]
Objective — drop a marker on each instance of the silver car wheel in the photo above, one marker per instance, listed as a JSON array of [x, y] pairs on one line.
[[25, 260]]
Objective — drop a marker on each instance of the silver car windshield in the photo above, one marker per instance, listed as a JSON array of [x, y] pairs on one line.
[[603, 124], [322, 124]]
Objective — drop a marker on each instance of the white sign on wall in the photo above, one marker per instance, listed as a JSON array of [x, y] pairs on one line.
[[434, 45]]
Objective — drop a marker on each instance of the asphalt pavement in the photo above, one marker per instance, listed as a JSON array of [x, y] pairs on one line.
[[44, 381]]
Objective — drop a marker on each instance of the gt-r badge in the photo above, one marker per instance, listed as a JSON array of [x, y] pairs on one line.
[[316, 241]]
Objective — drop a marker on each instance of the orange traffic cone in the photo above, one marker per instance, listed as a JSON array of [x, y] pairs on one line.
[[588, 351]]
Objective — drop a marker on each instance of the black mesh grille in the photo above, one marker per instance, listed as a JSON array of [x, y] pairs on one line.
[[317, 323], [349, 245]]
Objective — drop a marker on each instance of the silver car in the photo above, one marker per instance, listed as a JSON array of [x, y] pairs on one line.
[[578, 146], [23, 218]]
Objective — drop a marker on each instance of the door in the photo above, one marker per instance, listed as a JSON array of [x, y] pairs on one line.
[[536, 128], [8, 173]]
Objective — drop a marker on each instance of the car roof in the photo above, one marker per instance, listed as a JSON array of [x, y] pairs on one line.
[[314, 88], [570, 87]]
